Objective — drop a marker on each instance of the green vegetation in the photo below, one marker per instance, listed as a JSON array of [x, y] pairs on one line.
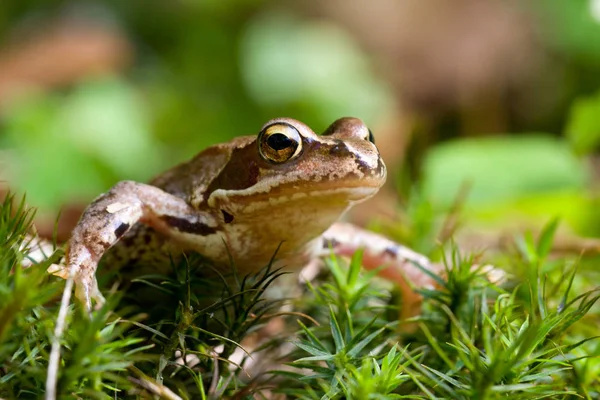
[[473, 340], [486, 113]]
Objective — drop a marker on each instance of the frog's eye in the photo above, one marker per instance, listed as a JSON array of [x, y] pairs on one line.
[[279, 143]]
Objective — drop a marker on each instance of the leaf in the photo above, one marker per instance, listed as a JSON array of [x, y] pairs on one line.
[[353, 352], [546, 238], [583, 125], [336, 333]]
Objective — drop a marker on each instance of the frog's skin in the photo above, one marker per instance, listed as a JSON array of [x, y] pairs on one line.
[[287, 186]]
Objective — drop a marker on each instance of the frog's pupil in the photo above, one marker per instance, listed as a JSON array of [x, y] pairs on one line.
[[279, 141]]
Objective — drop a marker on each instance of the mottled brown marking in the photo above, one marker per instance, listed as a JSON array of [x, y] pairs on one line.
[[363, 166], [95, 245], [228, 218], [391, 251], [241, 172], [128, 240], [120, 231], [187, 226], [330, 243]]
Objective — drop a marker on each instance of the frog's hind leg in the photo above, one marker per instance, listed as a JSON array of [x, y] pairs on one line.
[[396, 263]]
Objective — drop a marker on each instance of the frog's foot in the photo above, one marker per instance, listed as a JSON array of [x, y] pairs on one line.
[[59, 270], [81, 264], [87, 292], [86, 285]]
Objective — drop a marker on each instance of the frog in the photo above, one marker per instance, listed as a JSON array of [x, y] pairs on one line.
[[282, 191]]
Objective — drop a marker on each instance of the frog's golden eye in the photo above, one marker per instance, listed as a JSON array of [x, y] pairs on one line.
[[279, 143]]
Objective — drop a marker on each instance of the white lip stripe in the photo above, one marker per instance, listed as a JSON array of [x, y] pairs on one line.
[[354, 194]]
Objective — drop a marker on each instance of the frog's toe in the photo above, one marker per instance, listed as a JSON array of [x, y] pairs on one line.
[[87, 292], [58, 270], [98, 299]]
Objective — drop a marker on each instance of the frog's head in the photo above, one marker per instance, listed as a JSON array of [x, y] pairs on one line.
[[287, 167], [288, 185]]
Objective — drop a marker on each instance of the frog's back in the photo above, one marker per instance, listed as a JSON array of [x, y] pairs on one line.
[[144, 247], [195, 175]]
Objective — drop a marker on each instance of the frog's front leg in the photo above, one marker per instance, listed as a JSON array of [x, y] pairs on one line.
[[111, 215]]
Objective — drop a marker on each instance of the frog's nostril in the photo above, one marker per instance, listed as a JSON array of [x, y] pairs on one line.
[[339, 149]]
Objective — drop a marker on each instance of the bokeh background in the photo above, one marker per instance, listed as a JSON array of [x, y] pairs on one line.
[[489, 107]]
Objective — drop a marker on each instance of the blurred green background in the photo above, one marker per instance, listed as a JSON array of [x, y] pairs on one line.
[[500, 97]]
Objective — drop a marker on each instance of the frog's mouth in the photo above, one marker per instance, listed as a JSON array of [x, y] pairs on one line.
[[340, 195], [352, 191]]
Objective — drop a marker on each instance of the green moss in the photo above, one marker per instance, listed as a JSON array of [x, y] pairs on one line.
[[343, 339]]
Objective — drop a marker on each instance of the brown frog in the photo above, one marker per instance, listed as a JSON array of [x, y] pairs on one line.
[[285, 186]]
